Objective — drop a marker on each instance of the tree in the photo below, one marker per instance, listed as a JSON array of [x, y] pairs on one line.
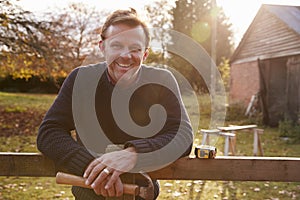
[[159, 14], [224, 68], [20, 40], [46, 47], [80, 26], [197, 23]]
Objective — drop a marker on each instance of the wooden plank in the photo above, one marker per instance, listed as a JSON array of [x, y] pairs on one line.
[[236, 128], [209, 131], [231, 168], [25, 164]]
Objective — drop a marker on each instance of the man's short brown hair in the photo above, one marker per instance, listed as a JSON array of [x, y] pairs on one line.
[[128, 17]]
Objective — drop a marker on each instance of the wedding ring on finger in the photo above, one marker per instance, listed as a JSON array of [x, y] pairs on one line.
[[106, 171]]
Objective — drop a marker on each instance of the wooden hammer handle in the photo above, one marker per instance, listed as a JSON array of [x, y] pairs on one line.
[[70, 179]]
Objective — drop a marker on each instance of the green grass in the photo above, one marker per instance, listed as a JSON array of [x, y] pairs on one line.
[[18, 144], [25, 188], [22, 102], [221, 190]]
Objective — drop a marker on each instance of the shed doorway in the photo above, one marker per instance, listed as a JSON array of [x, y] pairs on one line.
[[280, 89]]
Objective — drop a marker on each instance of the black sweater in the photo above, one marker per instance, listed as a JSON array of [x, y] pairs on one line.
[[54, 136]]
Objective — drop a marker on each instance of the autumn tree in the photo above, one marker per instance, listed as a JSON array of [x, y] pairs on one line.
[[20, 41], [50, 46], [80, 26], [30, 46]]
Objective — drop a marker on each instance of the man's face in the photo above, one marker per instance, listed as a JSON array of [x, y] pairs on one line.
[[124, 51]]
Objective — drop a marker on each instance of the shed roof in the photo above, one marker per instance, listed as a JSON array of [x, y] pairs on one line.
[[288, 14], [274, 32]]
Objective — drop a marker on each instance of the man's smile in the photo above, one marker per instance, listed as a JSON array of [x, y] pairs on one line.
[[123, 65]]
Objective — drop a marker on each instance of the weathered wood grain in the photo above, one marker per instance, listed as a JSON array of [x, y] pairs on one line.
[[231, 168], [25, 164]]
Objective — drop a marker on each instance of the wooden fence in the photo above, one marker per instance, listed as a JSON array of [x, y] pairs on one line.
[[231, 168]]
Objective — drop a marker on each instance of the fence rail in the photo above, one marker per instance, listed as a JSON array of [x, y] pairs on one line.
[[231, 168]]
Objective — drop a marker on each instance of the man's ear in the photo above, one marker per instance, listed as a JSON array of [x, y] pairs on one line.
[[146, 54], [101, 45]]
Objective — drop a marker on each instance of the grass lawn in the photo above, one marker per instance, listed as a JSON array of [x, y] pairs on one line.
[[22, 113]]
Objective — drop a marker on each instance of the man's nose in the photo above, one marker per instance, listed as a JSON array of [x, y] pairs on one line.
[[126, 53]]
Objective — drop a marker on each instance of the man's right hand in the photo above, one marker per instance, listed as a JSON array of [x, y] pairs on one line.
[[103, 173], [115, 191]]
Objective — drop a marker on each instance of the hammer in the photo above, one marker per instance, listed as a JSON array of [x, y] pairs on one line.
[[145, 192]]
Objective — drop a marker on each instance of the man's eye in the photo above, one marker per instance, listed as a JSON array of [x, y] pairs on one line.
[[116, 46], [136, 50]]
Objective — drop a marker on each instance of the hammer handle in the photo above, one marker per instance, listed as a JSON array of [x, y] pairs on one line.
[[70, 179]]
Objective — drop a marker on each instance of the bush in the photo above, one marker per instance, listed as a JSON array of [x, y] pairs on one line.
[[34, 84], [288, 128], [236, 113]]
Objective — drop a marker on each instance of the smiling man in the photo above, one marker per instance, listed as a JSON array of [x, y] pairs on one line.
[[125, 49], [151, 137]]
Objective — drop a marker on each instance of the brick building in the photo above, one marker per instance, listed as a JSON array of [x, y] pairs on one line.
[[266, 63]]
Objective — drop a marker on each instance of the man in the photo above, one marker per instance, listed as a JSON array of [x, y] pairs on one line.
[[125, 41]]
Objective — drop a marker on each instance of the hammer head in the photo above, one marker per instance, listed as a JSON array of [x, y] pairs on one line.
[[147, 192]]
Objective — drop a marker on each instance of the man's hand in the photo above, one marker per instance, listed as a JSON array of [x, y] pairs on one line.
[[103, 172]]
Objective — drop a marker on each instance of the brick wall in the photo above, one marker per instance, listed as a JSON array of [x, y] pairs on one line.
[[244, 82]]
